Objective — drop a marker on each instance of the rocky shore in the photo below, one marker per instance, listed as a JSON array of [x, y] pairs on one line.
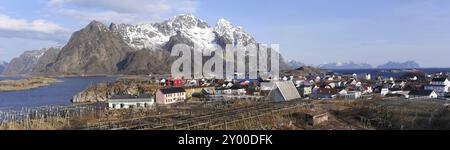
[[101, 92]]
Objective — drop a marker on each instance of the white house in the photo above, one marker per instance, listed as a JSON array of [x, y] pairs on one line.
[[349, 94], [384, 91], [439, 85], [364, 76], [130, 101]]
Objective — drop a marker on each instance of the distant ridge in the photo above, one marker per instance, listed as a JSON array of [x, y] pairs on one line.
[[399, 65], [345, 65]]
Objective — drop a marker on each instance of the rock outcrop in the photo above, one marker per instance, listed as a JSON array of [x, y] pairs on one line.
[[101, 92], [92, 50]]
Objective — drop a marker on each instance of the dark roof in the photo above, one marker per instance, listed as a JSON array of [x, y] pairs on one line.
[[236, 87], [436, 85], [328, 91], [172, 90], [141, 96], [395, 89], [421, 92], [439, 79]]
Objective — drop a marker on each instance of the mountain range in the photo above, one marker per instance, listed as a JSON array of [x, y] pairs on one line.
[[353, 65], [128, 49], [3, 65], [345, 65], [293, 64], [32, 61], [399, 65]]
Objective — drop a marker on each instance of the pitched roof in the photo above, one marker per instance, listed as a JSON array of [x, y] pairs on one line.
[[131, 96], [421, 92], [328, 91], [288, 90], [172, 90]]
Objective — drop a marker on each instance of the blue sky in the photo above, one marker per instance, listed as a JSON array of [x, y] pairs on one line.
[[310, 31]]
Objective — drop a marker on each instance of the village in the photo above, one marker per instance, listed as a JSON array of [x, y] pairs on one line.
[[308, 98], [294, 101], [330, 86]]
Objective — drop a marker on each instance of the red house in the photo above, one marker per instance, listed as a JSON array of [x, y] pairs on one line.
[[174, 83]]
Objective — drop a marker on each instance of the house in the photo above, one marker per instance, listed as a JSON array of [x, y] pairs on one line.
[[367, 89], [440, 85], [351, 82], [230, 89], [234, 90], [170, 95], [325, 93], [192, 90], [299, 83], [175, 82], [192, 83], [398, 84], [364, 76], [304, 90], [283, 91], [349, 94], [422, 94], [130, 101], [267, 86]]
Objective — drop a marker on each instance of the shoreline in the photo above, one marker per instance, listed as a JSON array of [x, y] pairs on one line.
[[26, 84]]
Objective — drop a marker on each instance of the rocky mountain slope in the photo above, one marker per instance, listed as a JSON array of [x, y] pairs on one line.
[[131, 49], [3, 65], [293, 64], [34, 61], [92, 50]]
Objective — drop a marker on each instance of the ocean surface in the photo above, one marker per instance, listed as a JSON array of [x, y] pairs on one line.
[[57, 94], [386, 73]]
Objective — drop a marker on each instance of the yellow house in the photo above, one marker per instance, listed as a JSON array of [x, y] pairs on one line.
[[191, 90]]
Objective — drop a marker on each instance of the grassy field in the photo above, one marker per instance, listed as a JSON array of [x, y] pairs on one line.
[[26, 84], [373, 114]]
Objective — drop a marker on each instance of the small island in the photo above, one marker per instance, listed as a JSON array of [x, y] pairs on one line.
[[26, 84]]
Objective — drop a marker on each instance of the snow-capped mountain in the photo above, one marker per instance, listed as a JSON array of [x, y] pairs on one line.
[[135, 49], [345, 65], [197, 31]]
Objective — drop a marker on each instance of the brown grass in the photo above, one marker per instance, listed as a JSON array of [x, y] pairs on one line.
[[26, 84]]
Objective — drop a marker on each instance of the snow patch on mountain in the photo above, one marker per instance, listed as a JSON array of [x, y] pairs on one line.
[[157, 35]]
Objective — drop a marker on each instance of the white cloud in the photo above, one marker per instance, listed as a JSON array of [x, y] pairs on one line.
[[130, 11], [8, 23], [31, 29]]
